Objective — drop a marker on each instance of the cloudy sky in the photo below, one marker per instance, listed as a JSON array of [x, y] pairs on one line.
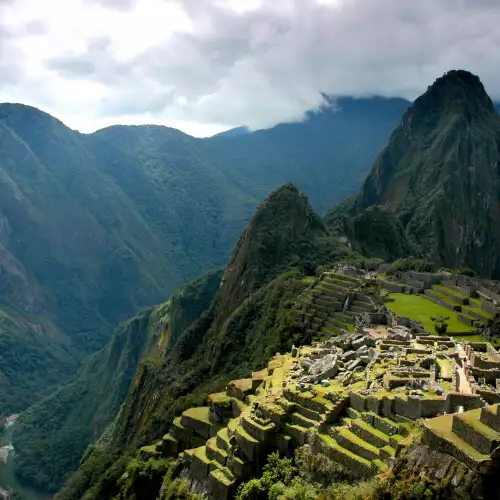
[[207, 65]]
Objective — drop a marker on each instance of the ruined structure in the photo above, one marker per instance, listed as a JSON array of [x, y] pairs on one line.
[[357, 397]]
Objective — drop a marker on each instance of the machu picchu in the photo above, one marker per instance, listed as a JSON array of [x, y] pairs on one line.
[[369, 386], [349, 355]]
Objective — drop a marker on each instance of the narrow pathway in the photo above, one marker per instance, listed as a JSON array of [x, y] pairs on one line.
[[463, 383]]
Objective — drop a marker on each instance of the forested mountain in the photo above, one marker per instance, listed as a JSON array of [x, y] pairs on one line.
[[438, 180], [90, 234], [92, 227], [60, 426], [432, 192], [327, 155]]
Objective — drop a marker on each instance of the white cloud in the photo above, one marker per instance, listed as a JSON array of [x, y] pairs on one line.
[[206, 65]]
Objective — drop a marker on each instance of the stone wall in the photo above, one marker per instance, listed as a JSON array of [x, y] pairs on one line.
[[436, 442], [409, 408], [490, 396], [469, 290], [493, 353], [394, 287], [467, 401], [489, 306], [465, 484], [490, 292], [489, 375], [428, 279], [432, 407]]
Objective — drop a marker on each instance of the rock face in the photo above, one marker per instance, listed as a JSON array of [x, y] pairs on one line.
[[439, 175], [323, 368]]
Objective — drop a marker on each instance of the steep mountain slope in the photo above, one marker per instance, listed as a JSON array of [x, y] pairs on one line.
[[60, 426], [251, 317], [327, 155], [374, 232], [440, 175], [186, 200], [89, 233]]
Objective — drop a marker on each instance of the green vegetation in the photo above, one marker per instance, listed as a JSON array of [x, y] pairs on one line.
[[96, 226], [375, 232], [445, 368], [440, 324], [143, 242], [143, 479], [411, 264], [421, 309], [60, 426], [313, 477], [253, 316], [89, 235]]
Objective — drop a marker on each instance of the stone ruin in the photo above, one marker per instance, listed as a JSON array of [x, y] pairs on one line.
[[354, 398], [480, 363], [357, 398]]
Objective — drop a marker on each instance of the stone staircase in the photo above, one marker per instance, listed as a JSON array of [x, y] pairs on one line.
[[328, 312], [472, 437], [365, 443]]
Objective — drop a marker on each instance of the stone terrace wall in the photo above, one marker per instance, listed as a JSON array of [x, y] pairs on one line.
[[468, 401], [493, 353]]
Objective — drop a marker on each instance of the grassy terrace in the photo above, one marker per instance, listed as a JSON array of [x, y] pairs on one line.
[[420, 308], [445, 367], [442, 426], [474, 304]]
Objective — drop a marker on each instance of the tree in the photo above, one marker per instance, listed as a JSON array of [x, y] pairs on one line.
[[440, 324]]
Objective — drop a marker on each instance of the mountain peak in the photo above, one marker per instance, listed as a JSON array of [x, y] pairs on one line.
[[280, 233], [439, 174], [454, 87]]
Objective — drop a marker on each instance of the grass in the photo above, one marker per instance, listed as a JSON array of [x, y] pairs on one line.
[[445, 367], [201, 454], [219, 398], [472, 419], [244, 384], [356, 440], [442, 427], [200, 413], [421, 309], [223, 434], [367, 427], [449, 291], [221, 477], [331, 443]]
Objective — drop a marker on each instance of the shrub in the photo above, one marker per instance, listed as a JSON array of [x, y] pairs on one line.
[[177, 490]]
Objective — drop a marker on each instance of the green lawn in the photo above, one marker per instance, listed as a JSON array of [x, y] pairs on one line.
[[420, 309]]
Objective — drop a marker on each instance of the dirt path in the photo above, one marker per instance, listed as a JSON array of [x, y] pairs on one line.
[[463, 383]]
